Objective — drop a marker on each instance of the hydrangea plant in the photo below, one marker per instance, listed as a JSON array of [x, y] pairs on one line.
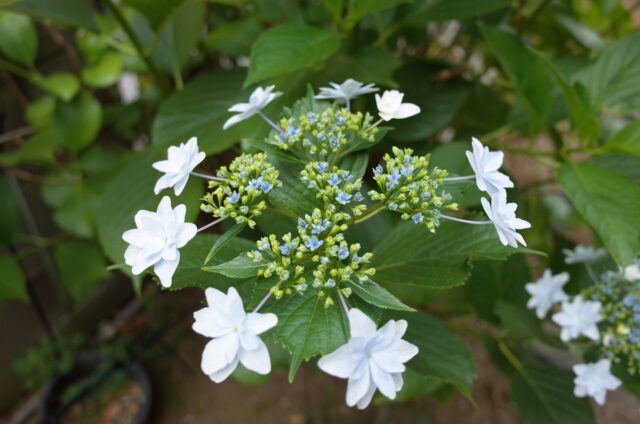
[[317, 261]]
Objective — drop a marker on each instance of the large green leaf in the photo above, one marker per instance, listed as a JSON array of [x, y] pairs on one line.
[[77, 13], [103, 73], [224, 239], [294, 195], [156, 11], [610, 202], [81, 265], [545, 395], [373, 293], [627, 140], [582, 118], [234, 38], [523, 68], [8, 214], [306, 328], [361, 8], [442, 353], [618, 162], [12, 280], [61, 84], [445, 10], [286, 48], [239, 267], [200, 110], [518, 321], [374, 65], [78, 122], [18, 37], [613, 79], [410, 254], [39, 149]]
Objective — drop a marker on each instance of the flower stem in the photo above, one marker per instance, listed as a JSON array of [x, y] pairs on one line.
[[262, 302], [378, 122], [344, 304], [211, 224], [466, 177], [592, 274], [368, 213], [270, 122], [466, 221], [348, 105], [206, 177]]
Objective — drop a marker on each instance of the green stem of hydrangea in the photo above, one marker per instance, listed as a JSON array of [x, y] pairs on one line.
[[368, 213]]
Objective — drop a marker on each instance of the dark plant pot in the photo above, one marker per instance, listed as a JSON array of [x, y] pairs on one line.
[[51, 409]]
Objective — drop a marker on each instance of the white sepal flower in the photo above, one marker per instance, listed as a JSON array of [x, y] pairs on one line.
[[546, 291], [594, 380], [582, 254], [503, 216], [235, 335], [485, 164], [632, 272], [371, 358], [346, 91], [156, 240], [181, 160], [390, 106], [578, 317], [258, 100], [129, 87]]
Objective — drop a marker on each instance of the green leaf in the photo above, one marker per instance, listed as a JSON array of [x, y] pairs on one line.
[[286, 48], [613, 79], [361, 8], [446, 10], [442, 355], [582, 119], [78, 122], [518, 321], [410, 254], [375, 294], [39, 112], [190, 272], [81, 265], [239, 267], [156, 11], [68, 12], [545, 396], [224, 239], [372, 65], [8, 214], [355, 163], [39, 149], [12, 280], [18, 38], [306, 328], [624, 164], [234, 38], [294, 195], [525, 71], [103, 73], [128, 189], [61, 84], [610, 202], [196, 112], [627, 140]]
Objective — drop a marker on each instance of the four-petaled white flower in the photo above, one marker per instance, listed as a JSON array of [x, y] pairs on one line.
[[156, 240], [346, 91], [578, 317], [546, 291], [180, 162], [390, 106], [234, 333], [371, 358], [594, 380], [258, 100], [582, 254], [503, 216], [485, 164]]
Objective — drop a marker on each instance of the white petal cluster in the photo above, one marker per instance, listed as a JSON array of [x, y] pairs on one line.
[[258, 100], [180, 162], [632, 272], [578, 318], [390, 106], [372, 358], [581, 254], [346, 91], [485, 164], [503, 216], [235, 335], [546, 291], [594, 380], [156, 240]]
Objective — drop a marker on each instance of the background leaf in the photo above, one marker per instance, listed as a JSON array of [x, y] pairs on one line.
[[81, 265], [12, 280], [18, 37], [78, 13]]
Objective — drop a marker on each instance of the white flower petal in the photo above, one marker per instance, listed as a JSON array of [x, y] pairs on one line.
[[256, 360], [357, 388], [165, 270], [222, 374], [339, 363], [259, 323], [206, 324], [360, 324]]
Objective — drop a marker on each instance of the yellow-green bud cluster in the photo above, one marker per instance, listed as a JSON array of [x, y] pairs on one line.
[[620, 325], [334, 186], [322, 135], [247, 181], [408, 187]]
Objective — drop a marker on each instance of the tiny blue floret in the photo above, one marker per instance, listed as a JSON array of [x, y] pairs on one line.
[[343, 198], [417, 218], [234, 197], [313, 243]]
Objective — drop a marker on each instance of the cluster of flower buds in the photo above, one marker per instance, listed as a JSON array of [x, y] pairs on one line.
[[334, 186], [408, 187], [620, 326], [242, 191], [322, 135]]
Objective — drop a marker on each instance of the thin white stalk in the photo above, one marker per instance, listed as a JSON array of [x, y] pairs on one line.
[[207, 177], [211, 224], [466, 221]]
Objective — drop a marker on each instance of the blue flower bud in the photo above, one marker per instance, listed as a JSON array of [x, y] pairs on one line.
[[313, 243], [378, 170], [343, 253], [302, 224], [343, 198], [285, 249], [334, 179], [322, 166], [417, 218], [234, 197]]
